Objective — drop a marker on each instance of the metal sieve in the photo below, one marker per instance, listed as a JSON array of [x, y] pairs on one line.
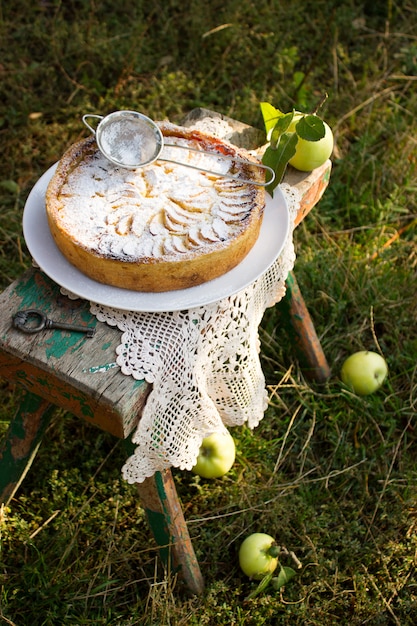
[[130, 139]]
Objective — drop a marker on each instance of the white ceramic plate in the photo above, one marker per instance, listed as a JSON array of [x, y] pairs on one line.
[[42, 247]]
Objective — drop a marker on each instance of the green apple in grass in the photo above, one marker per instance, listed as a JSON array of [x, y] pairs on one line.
[[216, 456], [364, 372], [258, 555]]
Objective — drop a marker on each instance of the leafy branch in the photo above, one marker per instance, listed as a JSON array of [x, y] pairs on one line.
[[283, 131]]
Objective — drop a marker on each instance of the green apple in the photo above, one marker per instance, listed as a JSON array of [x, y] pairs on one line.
[[364, 372], [216, 456], [258, 555], [311, 154]]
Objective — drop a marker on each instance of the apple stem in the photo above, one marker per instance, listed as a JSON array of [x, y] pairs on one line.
[[274, 551], [319, 104]]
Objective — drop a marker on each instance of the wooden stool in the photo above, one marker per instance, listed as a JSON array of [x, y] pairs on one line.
[[61, 369], [58, 368]]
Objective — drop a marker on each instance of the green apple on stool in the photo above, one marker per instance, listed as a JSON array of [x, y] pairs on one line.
[[311, 154]]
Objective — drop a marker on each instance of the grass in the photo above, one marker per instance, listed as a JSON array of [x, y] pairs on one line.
[[331, 475]]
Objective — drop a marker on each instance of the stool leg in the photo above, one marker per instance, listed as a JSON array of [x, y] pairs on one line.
[[159, 498], [303, 333], [21, 443]]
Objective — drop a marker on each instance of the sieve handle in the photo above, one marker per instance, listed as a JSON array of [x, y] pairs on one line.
[[98, 117], [226, 157]]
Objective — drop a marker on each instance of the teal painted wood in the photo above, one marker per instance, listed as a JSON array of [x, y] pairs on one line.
[[159, 528], [21, 443], [163, 509], [74, 372]]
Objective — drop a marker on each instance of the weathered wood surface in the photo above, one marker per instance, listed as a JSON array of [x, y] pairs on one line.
[[159, 498], [311, 186], [300, 327], [67, 368]]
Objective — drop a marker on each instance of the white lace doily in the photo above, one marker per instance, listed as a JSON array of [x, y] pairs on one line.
[[203, 363]]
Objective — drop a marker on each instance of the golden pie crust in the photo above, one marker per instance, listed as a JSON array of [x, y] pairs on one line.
[[157, 228]]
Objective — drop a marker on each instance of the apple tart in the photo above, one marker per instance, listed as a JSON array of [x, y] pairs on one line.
[[161, 227]]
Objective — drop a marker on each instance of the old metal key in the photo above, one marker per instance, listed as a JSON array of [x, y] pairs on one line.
[[32, 321]]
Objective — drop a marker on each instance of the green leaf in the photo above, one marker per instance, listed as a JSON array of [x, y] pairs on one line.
[[261, 587], [270, 116], [277, 158], [281, 127], [310, 128], [284, 576]]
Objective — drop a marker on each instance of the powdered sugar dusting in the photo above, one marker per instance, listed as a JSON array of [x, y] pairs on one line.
[[158, 211]]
